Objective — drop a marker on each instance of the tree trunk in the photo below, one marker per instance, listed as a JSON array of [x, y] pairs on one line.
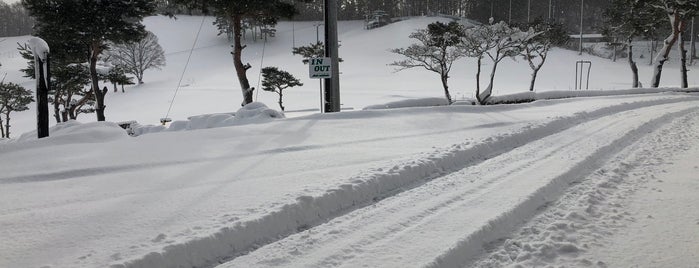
[[446, 88], [478, 80], [489, 90], [536, 68], [683, 59], [115, 87], [122, 88], [632, 64], [665, 51], [2, 130], [535, 72], [281, 105], [56, 106], [240, 69], [7, 124], [95, 50]]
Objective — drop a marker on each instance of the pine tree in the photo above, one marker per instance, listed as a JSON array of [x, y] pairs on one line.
[[437, 50], [542, 36], [275, 80], [233, 14], [84, 27], [13, 98]]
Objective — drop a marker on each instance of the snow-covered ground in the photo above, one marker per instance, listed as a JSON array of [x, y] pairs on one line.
[[552, 182]]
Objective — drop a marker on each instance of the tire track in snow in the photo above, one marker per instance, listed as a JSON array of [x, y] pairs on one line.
[[386, 234], [373, 185], [595, 209]]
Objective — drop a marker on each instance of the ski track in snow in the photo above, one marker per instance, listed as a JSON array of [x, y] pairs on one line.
[[386, 233], [592, 210], [377, 187]]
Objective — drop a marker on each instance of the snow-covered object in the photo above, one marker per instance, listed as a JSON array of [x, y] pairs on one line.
[[424, 102], [552, 95], [40, 49], [72, 132], [252, 113]]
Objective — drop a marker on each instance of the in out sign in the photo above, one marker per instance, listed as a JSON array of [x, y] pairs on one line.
[[320, 68]]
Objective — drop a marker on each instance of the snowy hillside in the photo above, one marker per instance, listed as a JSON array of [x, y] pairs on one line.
[[567, 182], [209, 84]]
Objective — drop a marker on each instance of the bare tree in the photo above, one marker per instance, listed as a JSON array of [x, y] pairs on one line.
[[137, 57], [437, 50]]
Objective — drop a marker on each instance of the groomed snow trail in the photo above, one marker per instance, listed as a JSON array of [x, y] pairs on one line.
[[444, 222], [619, 216]]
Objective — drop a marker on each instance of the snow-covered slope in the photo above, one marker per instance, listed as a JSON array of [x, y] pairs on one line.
[[209, 84], [91, 196]]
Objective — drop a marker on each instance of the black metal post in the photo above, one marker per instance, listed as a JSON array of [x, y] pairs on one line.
[[332, 85], [42, 95]]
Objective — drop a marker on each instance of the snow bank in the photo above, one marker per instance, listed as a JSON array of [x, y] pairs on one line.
[[252, 113], [72, 132], [425, 102], [365, 188], [552, 95]]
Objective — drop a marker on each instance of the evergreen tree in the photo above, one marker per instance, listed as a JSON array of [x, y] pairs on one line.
[[314, 50], [13, 98], [542, 37], [82, 28], [70, 93], [233, 14], [275, 80], [437, 50], [506, 43]]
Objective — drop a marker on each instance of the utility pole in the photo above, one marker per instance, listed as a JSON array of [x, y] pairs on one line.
[[332, 85], [320, 81], [582, 8], [550, 10], [529, 10], [509, 20]]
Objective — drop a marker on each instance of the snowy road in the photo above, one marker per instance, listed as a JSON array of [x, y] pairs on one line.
[[444, 222], [398, 179]]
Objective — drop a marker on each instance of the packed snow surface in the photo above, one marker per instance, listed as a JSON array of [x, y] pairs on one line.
[[549, 182]]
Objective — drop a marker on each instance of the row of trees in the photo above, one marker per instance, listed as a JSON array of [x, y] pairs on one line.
[[629, 20], [440, 45], [14, 20], [84, 33]]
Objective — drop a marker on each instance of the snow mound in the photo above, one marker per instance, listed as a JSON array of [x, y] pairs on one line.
[[252, 113], [71, 132], [425, 102]]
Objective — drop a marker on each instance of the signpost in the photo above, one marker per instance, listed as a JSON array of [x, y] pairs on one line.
[[320, 68]]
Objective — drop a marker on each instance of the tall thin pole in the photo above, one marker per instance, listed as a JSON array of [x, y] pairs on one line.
[[492, 4], [693, 46], [582, 5], [320, 81], [332, 85], [509, 20], [529, 10], [550, 9]]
